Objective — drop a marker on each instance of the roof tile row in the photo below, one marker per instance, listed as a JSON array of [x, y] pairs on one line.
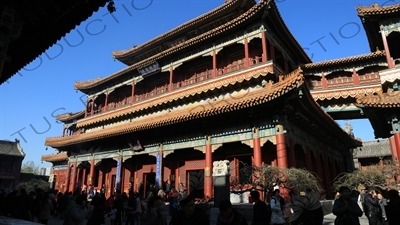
[[228, 6], [375, 9], [55, 157], [380, 100], [340, 61]]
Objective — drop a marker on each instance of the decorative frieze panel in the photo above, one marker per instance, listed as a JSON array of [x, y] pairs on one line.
[[60, 167], [267, 132], [340, 108], [83, 158], [390, 75], [390, 26], [105, 155], [182, 145]]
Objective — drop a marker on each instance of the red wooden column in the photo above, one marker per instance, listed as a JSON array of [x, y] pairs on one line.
[[281, 152], [91, 172], [324, 82], [257, 148], [257, 154], [393, 149], [171, 76], [68, 177], [246, 53], [74, 176], [84, 176], [389, 60], [208, 181], [135, 181], [308, 159], [101, 180], [214, 63], [78, 172], [396, 137], [264, 47], [133, 92], [356, 78], [177, 178]]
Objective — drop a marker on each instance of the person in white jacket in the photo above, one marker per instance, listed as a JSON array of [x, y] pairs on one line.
[[277, 213]]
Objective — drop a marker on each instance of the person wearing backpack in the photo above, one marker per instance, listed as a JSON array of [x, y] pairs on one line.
[[276, 208], [261, 212]]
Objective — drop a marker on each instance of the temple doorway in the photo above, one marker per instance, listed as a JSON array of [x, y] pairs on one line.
[[149, 179], [196, 183]]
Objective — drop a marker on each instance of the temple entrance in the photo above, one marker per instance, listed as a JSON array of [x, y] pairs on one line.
[[149, 179], [196, 183]]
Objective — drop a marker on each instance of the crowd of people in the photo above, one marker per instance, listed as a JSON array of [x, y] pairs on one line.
[[380, 210], [88, 207]]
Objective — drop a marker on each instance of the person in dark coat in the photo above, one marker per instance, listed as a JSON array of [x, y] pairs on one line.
[[97, 216], [189, 214], [345, 209], [371, 207], [392, 208], [230, 216], [260, 209]]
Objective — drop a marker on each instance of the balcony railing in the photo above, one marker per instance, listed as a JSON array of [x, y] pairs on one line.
[[196, 78]]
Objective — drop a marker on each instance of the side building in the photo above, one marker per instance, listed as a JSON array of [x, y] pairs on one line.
[[11, 157], [224, 86]]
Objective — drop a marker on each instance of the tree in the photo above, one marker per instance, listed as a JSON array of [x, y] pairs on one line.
[[265, 178], [30, 167], [33, 184], [383, 176]]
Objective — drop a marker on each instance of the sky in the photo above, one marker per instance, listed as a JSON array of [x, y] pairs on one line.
[[30, 100]]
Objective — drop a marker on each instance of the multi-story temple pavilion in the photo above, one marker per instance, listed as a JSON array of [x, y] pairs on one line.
[[231, 84]]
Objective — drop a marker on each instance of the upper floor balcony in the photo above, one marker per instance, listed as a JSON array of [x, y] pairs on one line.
[[192, 79]]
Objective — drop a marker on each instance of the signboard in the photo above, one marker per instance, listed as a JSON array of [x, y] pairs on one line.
[[149, 69], [158, 171], [118, 175]]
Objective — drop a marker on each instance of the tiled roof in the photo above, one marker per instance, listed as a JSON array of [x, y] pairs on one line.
[[70, 116], [219, 106], [178, 95], [256, 10], [371, 149], [340, 61], [11, 148], [209, 16], [375, 9], [55, 157], [380, 100], [42, 23]]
